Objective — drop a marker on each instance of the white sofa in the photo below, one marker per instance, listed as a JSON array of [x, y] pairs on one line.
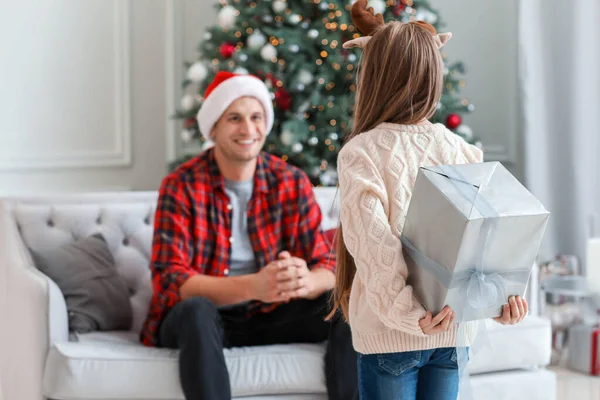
[[38, 358]]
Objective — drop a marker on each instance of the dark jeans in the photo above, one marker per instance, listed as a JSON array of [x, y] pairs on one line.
[[411, 375], [200, 331]]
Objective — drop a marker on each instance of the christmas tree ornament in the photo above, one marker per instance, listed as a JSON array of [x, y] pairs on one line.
[[294, 48], [197, 72], [286, 137], [189, 123], [243, 57], [329, 177], [305, 77], [226, 50], [283, 99], [300, 87], [256, 40], [188, 102], [227, 17], [305, 25], [465, 131], [378, 6], [268, 52], [207, 35], [453, 121], [294, 19], [313, 33], [279, 6], [324, 5], [187, 136], [333, 136], [297, 147], [427, 16], [313, 141], [240, 71], [268, 19], [399, 8]]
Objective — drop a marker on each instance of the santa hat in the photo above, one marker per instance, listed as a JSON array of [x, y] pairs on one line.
[[226, 88]]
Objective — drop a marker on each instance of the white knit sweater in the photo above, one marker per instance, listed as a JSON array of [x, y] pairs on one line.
[[377, 171]]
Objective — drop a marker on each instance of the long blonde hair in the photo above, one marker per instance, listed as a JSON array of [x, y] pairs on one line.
[[400, 80]]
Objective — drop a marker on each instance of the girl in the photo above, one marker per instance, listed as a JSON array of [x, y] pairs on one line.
[[403, 351]]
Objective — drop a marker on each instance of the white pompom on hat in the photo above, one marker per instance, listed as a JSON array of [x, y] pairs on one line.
[[226, 88]]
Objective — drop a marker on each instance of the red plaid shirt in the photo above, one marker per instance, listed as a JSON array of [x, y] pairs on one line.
[[193, 220]]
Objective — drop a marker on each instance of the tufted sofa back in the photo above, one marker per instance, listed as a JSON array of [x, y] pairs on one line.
[[126, 221]]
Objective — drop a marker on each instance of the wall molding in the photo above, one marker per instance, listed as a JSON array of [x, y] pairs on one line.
[[121, 155]]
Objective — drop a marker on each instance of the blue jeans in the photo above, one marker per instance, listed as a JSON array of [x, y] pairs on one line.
[[411, 375]]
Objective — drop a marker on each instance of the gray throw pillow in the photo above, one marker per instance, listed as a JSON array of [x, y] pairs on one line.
[[96, 296]]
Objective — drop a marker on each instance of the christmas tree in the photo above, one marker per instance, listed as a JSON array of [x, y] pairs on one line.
[[295, 46]]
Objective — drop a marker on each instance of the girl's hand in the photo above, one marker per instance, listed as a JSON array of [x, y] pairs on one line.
[[514, 311], [438, 324]]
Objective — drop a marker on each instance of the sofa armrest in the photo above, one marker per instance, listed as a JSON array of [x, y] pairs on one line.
[[33, 315]]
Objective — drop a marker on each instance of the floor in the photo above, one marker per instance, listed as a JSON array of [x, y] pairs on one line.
[[576, 386]]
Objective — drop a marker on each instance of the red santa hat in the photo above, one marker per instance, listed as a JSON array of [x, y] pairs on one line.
[[224, 90]]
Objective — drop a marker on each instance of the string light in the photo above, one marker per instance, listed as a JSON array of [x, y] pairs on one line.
[[343, 27], [238, 34], [331, 15], [331, 148], [215, 61], [321, 80], [465, 102], [330, 104], [319, 62], [333, 122], [284, 157], [350, 67], [288, 11], [331, 6], [249, 31], [279, 18], [253, 5], [328, 142], [279, 84], [324, 54], [324, 42], [312, 128], [338, 13], [321, 108]]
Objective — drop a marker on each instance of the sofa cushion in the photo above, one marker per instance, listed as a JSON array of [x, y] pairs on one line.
[[80, 369], [84, 270], [103, 365]]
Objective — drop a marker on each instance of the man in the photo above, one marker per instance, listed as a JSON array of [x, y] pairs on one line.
[[238, 257]]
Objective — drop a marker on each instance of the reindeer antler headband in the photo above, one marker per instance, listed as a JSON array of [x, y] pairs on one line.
[[367, 22]]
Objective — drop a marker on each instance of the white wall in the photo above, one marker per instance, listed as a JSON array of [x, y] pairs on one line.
[[485, 39], [82, 95]]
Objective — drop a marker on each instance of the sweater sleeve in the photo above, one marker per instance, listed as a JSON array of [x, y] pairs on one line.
[[369, 239], [471, 153]]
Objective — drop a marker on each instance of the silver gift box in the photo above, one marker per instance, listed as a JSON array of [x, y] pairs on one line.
[[479, 229]]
